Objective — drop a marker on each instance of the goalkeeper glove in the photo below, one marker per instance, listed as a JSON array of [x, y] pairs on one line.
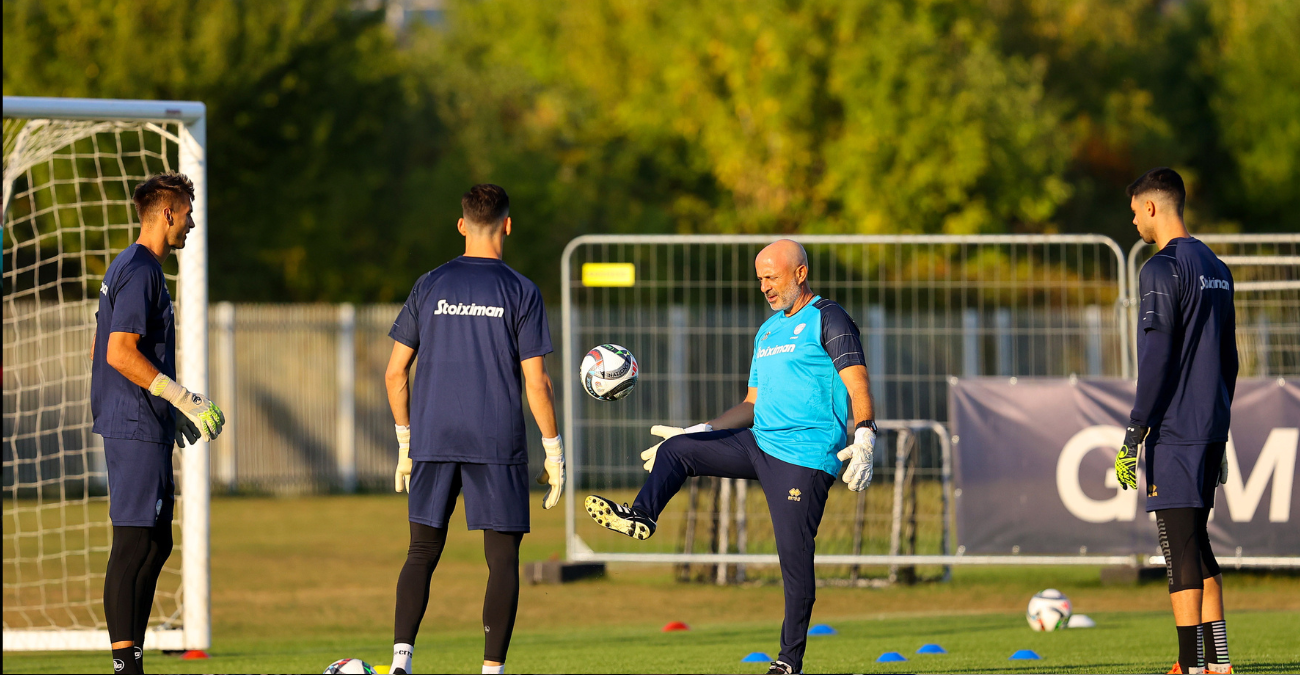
[[861, 455], [552, 470], [402, 479], [202, 413], [1127, 460], [186, 432], [666, 432]]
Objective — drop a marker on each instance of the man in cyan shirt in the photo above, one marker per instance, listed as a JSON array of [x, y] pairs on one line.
[[477, 326], [787, 434], [1187, 372]]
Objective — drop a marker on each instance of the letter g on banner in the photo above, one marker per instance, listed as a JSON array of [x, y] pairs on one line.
[[1123, 506]]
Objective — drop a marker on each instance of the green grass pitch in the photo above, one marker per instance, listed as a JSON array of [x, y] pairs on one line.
[[300, 582]]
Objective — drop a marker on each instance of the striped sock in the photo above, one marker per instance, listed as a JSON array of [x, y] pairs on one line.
[[1189, 648], [1216, 646]]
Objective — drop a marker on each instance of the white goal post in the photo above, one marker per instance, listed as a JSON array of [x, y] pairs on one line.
[[69, 168]]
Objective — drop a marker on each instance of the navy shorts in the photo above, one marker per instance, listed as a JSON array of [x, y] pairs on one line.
[[496, 495], [1183, 476], [141, 486]]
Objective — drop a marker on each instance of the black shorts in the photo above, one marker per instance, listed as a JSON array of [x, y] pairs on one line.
[[1182, 476]]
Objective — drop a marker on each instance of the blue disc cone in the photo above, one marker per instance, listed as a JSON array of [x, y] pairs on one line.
[[931, 649], [1023, 654], [756, 657], [888, 657], [822, 629]]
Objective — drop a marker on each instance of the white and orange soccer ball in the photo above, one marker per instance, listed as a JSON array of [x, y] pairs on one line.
[[608, 372], [1048, 611]]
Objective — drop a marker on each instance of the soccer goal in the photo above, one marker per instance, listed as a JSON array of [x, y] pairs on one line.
[[70, 167]]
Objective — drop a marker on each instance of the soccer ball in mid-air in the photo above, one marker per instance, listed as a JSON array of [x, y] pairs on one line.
[[1048, 611], [349, 666], [608, 372]]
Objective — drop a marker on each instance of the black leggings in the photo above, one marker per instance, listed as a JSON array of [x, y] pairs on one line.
[[136, 560], [499, 605], [1185, 542]]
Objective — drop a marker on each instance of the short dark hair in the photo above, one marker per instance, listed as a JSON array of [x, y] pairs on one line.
[[160, 191], [485, 205], [1161, 179]]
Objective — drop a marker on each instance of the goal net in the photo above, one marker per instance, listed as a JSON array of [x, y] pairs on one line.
[[70, 167]]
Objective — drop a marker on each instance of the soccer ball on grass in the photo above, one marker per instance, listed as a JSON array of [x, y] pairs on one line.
[[608, 372], [1048, 611], [349, 666]]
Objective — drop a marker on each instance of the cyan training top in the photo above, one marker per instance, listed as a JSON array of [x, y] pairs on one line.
[[802, 412]]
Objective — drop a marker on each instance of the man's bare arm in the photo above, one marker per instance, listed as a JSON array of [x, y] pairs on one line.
[[397, 381], [859, 385], [541, 395], [741, 416], [125, 357]]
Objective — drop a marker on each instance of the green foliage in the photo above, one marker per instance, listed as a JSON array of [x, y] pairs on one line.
[[1254, 51], [318, 139], [338, 149]]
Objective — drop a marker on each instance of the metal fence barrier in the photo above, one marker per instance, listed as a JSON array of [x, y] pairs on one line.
[[1266, 277], [301, 386], [928, 307]]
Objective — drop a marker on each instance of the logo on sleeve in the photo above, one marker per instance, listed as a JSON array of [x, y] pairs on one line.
[[1212, 283], [103, 288], [472, 309]]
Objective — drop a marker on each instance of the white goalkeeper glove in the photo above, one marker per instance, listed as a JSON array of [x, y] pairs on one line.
[[552, 470], [202, 413], [666, 432], [860, 455], [402, 478]]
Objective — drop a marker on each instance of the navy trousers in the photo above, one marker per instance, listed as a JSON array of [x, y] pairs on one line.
[[796, 498]]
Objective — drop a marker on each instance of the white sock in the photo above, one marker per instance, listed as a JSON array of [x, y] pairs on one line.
[[402, 653], [494, 670]]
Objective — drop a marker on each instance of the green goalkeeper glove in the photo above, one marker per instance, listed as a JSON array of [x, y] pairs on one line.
[[1127, 460], [552, 470], [204, 414], [402, 479], [186, 432]]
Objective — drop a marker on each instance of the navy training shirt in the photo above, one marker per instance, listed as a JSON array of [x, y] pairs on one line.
[[1186, 293], [471, 321], [133, 299]]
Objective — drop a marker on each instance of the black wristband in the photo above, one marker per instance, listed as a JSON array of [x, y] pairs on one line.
[[869, 424]]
